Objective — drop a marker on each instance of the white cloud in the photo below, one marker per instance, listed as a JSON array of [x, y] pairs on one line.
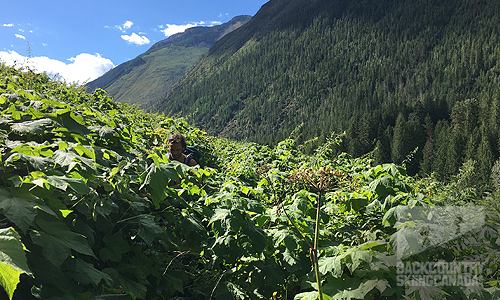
[[83, 68], [20, 36], [11, 57], [125, 26], [8, 25], [173, 28], [136, 39]]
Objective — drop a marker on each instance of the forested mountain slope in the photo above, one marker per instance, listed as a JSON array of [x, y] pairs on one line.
[[149, 76], [415, 80], [89, 211]]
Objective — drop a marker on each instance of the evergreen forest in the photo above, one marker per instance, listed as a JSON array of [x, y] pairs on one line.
[[87, 211], [414, 82]]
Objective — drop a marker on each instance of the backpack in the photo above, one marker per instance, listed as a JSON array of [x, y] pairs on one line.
[[192, 152]]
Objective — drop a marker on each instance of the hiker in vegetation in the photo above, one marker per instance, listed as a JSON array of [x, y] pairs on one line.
[[176, 146]]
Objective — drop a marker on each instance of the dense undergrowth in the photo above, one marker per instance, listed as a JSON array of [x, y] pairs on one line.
[[86, 211]]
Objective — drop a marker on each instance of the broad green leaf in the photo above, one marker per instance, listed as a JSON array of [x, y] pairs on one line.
[[236, 291], [78, 185], [41, 150], [13, 86], [372, 244], [116, 246], [36, 162], [358, 256], [65, 212], [256, 235], [418, 200], [85, 273], [300, 204], [263, 182], [290, 257], [66, 118], [220, 214], [80, 149], [19, 206], [390, 217], [57, 240], [65, 158], [175, 282], [158, 182], [62, 182], [9, 279], [149, 230], [12, 260], [407, 241], [402, 186], [394, 170], [354, 289], [382, 186], [62, 145], [87, 162], [128, 285], [55, 103], [427, 292], [69, 159], [57, 182], [280, 234], [15, 114], [331, 264], [158, 178], [121, 165], [245, 190], [35, 112], [308, 296], [104, 132], [35, 127], [357, 203], [25, 94]]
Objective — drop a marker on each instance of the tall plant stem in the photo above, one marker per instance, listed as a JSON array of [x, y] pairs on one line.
[[315, 249]]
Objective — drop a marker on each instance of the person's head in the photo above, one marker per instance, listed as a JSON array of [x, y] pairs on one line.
[[176, 145]]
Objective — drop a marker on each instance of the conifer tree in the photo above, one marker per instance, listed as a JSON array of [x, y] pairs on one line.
[[440, 152], [398, 152], [428, 150], [485, 157]]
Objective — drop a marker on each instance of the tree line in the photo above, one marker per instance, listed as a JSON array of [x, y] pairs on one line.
[[413, 82]]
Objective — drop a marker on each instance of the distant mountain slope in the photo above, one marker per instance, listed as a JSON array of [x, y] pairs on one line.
[[149, 76], [396, 75]]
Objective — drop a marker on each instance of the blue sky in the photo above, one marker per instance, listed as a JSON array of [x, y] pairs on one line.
[[81, 40]]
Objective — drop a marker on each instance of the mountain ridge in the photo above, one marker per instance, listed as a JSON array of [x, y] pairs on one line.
[[149, 76]]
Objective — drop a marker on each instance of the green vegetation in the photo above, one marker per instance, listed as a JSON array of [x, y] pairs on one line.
[[86, 211], [415, 79], [148, 77]]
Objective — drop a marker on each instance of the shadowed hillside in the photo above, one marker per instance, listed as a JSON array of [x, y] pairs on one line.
[[150, 76], [413, 81]]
